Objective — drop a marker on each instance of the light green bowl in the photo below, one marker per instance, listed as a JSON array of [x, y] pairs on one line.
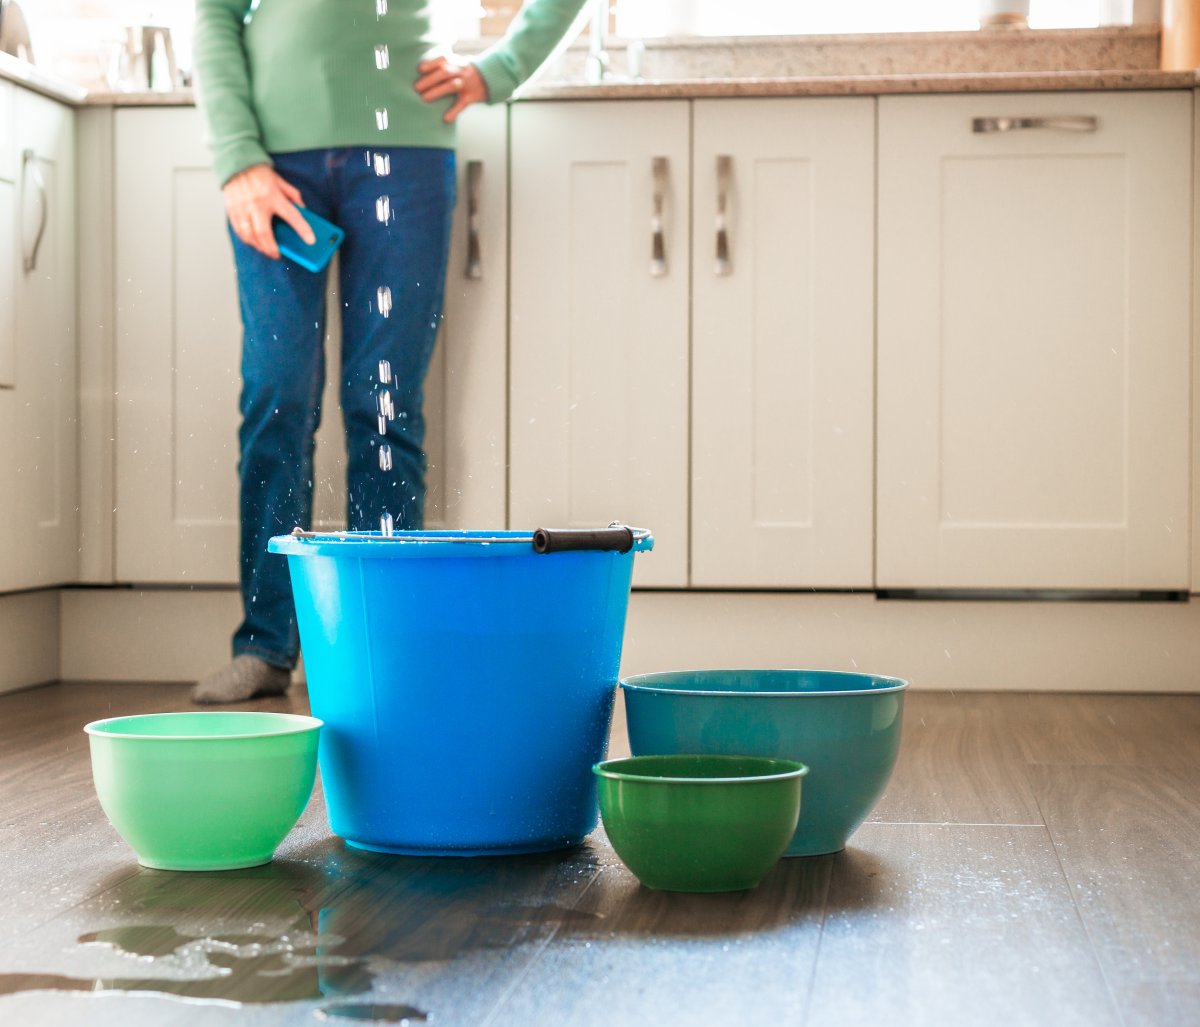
[[204, 791]]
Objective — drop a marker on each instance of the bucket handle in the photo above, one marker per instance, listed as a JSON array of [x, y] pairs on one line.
[[615, 538]]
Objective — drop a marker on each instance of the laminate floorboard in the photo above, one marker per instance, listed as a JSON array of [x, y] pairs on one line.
[[1033, 862], [959, 764], [955, 925], [646, 957], [1128, 839]]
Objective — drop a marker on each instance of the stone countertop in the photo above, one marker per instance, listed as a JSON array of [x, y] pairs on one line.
[[13, 69], [867, 85], [809, 85]]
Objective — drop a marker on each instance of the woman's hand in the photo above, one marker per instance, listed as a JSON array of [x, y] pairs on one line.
[[253, 197], [446, 76]]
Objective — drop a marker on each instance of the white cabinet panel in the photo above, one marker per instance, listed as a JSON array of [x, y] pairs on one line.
[[782, 336], [1034, 343], [466, 393], [39, 424], [179, 354], [8, 144], [9, 250], [599, 344]]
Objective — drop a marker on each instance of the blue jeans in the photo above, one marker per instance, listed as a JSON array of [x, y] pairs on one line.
[[398, 243]]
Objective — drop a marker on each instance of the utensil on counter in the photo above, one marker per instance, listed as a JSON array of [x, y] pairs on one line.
[[148, 62], [700, 823]]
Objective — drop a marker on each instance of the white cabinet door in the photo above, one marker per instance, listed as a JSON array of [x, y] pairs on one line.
[[178, 362], [178, 353], [599, 340], [466, 393], [1033, 341], [783, 343], [39, 426]]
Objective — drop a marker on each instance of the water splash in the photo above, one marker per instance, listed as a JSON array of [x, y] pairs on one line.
[[383, 297]]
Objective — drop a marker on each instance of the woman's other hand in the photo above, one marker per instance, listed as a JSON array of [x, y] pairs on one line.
[[446, 76], [253, 197]]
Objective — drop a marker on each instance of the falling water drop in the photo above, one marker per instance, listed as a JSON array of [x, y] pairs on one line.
[[382, 57], [385, 372], [385, 457], [383, 164], [386, 407], [380, 8], [386, 525], [383, 296], [383, 209], [381, 118], [381, 423]]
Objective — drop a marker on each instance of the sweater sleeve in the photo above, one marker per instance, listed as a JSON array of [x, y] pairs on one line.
[[223, 86], [538, 28]]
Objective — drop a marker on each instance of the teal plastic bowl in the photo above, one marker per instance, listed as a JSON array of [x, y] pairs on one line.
[[845, 727], [204, 791], [699, 823]]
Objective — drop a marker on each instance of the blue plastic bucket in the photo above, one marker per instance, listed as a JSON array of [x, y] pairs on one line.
[[466, 683]]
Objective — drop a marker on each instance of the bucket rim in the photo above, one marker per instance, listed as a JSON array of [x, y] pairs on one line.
[[442, 542]]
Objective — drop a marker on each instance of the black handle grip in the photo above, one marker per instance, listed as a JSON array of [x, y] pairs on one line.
[[559, 540]]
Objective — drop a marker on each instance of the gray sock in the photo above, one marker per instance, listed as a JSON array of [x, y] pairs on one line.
[[247, 677]]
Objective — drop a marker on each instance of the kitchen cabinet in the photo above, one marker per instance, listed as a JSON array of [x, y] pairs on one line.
[[783, 343], [754, 460], [1034, 341], [599, 324], [39, 401], [178, 345], [8, 248]]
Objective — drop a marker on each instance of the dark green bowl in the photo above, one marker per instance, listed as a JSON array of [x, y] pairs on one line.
[[700, 823]]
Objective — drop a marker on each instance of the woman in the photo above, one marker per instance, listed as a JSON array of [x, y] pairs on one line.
[[337, 105]]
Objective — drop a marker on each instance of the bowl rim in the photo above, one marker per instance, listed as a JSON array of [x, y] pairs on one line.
[[637, 683], [605, 769], [289, 724]]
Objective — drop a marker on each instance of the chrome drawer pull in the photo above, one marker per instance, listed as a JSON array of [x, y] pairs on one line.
[[724, 265], [658, 246], [474, 257], [1061, 123]]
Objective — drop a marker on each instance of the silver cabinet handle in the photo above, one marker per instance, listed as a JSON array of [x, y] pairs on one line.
[[724, 265], [474, 258], [658, 248], [1062, 123], [30, 169]]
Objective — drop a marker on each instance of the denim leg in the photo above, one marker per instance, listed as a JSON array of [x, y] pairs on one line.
[[283, 373], [396, 206]]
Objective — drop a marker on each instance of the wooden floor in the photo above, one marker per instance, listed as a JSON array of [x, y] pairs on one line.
[[1036, 860]]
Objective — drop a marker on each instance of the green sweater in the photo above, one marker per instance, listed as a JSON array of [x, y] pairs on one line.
[[277, 76]]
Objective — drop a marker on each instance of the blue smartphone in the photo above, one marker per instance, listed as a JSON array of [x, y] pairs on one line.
[[316, 256]]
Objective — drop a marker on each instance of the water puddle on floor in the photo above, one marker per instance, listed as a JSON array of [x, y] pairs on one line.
[[326, 931]]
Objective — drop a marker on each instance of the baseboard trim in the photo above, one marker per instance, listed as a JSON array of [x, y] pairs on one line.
[[944, 644], [29, 639]]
